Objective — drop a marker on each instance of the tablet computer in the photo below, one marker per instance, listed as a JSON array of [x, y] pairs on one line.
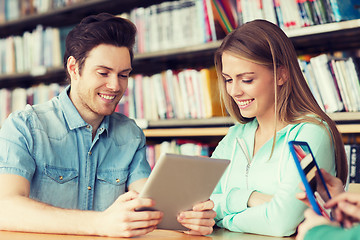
[[177, 182], [315, 187]]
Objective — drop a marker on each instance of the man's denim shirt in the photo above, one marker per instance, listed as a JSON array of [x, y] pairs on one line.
[[51, 146]]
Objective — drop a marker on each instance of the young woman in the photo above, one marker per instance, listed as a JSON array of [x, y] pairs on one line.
[[264, 90]]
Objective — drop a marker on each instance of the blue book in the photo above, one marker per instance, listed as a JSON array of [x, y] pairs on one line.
[[345, 9]]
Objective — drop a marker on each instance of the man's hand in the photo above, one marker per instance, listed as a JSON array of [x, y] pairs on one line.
[[312, 219], [333, 184], [121, 219], [200, 220], [347, 208]]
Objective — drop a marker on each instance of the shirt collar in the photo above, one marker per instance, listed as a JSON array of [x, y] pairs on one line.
[[104, 126], [72, 116]]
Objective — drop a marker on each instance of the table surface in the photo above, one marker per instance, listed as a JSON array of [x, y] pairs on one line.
[[218, 234]]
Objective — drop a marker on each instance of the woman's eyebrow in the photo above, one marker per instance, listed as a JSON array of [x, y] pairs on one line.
[[239, 75]]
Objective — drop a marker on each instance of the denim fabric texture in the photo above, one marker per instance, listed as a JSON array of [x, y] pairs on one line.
[[51, 146]]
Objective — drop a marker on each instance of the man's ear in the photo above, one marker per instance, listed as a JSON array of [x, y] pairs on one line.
[[282, 76], [72, 67]]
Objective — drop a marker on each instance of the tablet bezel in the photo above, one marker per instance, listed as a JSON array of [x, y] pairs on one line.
[[309, 192]]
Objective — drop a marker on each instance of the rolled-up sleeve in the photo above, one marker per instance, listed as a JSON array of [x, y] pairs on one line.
[[16, 145]]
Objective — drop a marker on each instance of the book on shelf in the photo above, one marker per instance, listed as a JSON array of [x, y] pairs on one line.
[[310, 79], [305, 19], [341, 84], [138, 95], [190, 81], [297, 13], [290, 14], [279, 15], [167, 82], [229, 7], [5, 107], [184, 94], [181, 94], [212, 103], [160, 96], [349, 92], [320, 11], [333, 80], [177, 146], [16, 99], [222, 17], [330, 96], [173, 24], [329, 11], [269, 11], [353, 64], [40, 48], [2, 12], [210, 32], [345, 9], [354, 162], [11, 10]]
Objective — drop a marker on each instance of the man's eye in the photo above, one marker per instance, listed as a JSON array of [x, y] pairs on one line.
[[103, 74]]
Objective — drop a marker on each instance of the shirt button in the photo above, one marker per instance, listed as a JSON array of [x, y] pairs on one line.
[[87, 126], [117, 180], [89, 188], [61, 178]]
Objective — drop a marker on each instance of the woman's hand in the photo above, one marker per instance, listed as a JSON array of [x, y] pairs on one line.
[[200, 220], [258, 198]]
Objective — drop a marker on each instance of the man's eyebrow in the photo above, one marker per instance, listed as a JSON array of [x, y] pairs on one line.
[[109, 68]]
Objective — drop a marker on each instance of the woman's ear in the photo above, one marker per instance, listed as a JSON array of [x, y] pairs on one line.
[[72, 68], [282, 76]]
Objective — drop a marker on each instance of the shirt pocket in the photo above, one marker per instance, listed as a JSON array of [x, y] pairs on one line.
[[110, 184], [60, 175], [58, 187]]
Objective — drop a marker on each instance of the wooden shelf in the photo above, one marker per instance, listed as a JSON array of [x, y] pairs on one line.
[[349, 128], [220, 131], [186, 132], [345, 116], [219, 126], [332, 28], [326, 37]]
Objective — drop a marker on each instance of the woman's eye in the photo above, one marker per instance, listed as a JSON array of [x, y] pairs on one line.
[[247, 80], [228, 80]]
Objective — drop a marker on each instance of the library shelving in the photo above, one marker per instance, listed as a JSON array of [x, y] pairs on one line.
[[315, 39]]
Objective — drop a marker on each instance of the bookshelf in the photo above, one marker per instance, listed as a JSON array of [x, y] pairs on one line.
[[313, 39]]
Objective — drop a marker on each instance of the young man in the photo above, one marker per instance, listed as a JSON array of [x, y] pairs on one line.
[[65, 165]]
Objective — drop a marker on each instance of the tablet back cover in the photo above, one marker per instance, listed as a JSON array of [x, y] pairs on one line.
[[177, 182]]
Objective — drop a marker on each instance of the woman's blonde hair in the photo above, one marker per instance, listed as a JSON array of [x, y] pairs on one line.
[[264, 43]]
